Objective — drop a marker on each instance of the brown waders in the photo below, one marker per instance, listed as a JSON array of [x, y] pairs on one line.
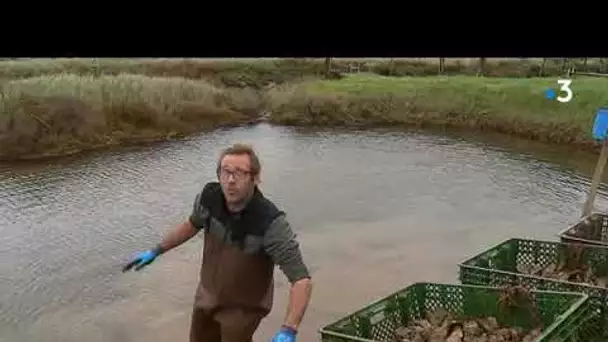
[[236, 282], [225, 325]]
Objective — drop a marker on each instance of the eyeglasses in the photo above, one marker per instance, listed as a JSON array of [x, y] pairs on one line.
[[237, 174]]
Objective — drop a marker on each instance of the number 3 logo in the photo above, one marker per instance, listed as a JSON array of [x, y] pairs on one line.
[[565, 87]]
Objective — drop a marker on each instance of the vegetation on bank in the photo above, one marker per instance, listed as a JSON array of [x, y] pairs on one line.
[[507, 105], [63, 106], [65, 113]]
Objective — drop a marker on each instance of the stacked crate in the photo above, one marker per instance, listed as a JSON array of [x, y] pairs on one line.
[[570, 311]]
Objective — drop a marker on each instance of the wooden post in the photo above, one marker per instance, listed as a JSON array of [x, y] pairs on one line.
[[441, 65], [541, 71], [482, 66], [585, 64], [597, 178], [327, 67]]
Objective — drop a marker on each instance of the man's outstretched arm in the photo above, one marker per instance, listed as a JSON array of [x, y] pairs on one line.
[[299, 297], [186, 230], [173, 238], [282, 246], [177, 235]]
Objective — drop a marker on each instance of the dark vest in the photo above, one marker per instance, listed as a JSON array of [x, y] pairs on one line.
[[236, 271]]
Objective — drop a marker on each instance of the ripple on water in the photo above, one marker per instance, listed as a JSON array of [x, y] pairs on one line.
[[351, 196]]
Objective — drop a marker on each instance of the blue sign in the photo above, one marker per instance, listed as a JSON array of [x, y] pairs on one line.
[[600, 126]]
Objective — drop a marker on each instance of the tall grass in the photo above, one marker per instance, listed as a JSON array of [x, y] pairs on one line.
[[66, 111], [226, 72]]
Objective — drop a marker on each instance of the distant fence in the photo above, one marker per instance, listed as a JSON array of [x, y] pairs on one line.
[[530, 67], [582, 73]]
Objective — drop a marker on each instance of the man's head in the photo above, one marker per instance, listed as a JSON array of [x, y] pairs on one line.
[[238, 170]]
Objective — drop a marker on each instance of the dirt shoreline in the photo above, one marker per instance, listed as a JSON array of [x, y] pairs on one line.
[[583, 146], [132, 141]]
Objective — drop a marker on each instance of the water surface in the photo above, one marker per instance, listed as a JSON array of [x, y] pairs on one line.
[[374, 211]]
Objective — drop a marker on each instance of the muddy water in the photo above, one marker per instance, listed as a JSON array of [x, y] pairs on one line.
[[374, 211]]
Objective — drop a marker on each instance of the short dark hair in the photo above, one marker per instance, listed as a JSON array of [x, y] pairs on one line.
[[240, 149]]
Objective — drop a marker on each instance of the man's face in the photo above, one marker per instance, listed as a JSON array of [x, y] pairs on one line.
[[235, 178]]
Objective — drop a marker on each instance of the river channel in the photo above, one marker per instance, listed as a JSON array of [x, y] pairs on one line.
[[374, 211]]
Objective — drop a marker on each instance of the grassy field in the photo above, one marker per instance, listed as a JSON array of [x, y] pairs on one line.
[[260, 72], [50, 107], [509, 105]]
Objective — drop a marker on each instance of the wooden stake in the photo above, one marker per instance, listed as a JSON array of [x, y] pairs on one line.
[[327, 67], [597, 178]]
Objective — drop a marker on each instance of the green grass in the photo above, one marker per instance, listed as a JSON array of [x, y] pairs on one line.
[[511, 105], [261, 72], [504, 97]]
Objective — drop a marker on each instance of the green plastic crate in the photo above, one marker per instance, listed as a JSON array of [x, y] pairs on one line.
[[592, 230], [498, 265], [561, 313]]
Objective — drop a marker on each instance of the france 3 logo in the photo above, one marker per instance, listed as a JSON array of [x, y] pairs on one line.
[[564, 94]]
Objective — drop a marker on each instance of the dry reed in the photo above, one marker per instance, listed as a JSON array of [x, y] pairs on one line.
[[69, 112]]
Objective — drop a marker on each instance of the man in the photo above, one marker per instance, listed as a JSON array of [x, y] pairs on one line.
[[245, 237]]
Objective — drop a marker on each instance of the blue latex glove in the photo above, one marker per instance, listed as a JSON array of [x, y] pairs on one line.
[[285, 335], [142, 259]]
